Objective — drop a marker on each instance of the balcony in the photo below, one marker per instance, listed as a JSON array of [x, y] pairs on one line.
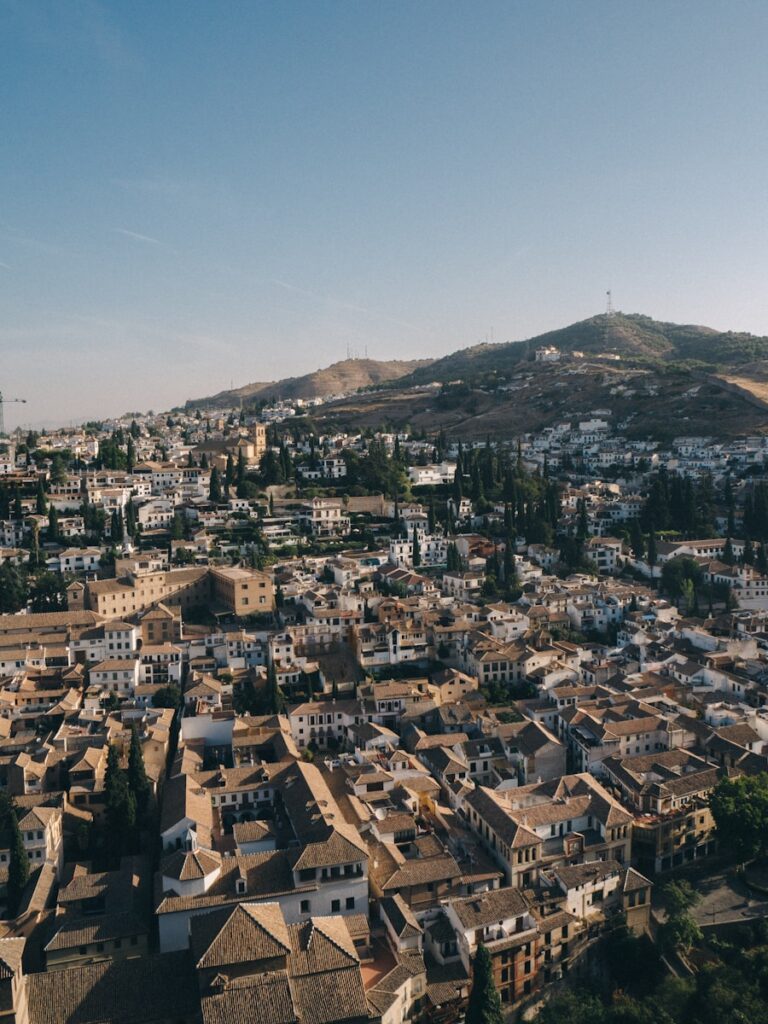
[[496, 937]]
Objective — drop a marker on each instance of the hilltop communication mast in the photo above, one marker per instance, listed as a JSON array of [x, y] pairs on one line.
[[609, 311], [3, 403]]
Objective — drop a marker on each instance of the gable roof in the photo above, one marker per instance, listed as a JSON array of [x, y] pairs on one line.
[[239, 934]]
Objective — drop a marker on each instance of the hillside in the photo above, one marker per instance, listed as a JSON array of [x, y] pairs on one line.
[[669, 380], [636, 338], [658, 402], [344, 377]]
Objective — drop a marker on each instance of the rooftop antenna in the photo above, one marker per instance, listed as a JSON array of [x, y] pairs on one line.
[[609, 311]]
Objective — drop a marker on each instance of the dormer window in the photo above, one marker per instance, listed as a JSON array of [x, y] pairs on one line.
[[240, 887]]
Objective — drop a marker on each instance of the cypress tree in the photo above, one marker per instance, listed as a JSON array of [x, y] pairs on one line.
[[652, 554], [215, 489], [41, 503], [637, 540], [240, 474], [120, 805], [34, 547], [18, 864], [749, 552], [116, 525], [728, 556], [53, 523], [416, 554], [137, 775], [484, 1005], [274, 697], [177, 527]]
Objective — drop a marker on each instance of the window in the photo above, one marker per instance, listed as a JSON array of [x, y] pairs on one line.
[[305, 907], [350, 904], [335, 906]]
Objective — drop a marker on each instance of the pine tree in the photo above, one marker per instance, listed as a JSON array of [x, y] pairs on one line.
[[137, 775], [484, 1005], [13, 589]]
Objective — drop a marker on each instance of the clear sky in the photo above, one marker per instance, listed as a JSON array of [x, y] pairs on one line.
[[194, 193]]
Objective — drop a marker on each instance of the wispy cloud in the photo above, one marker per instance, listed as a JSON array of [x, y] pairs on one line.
[[5, 266], [340, 304], [138, 237]]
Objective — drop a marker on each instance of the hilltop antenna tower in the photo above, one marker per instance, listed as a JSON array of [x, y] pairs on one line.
[[609, 310]]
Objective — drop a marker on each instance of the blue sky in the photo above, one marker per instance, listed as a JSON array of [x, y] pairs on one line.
[[194, 193]]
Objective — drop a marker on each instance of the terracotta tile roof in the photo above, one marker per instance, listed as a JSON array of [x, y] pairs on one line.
[[188, 864], [11, 951], [400, 916], [322, 944], [240, 934], [81, 931], [256, 999], [338, 848], [490, 907], [142, 990]]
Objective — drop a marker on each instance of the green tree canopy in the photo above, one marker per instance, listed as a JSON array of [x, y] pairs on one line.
[[740, 809]]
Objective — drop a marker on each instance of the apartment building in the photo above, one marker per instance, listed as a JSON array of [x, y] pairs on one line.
[[567, 820]]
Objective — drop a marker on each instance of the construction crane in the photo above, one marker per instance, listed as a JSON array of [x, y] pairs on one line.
[[3, 403]]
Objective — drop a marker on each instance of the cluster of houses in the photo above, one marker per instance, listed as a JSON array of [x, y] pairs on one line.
[[440, 768]]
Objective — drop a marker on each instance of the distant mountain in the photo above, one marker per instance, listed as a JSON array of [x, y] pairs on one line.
[[630, 335], [344, 377]]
